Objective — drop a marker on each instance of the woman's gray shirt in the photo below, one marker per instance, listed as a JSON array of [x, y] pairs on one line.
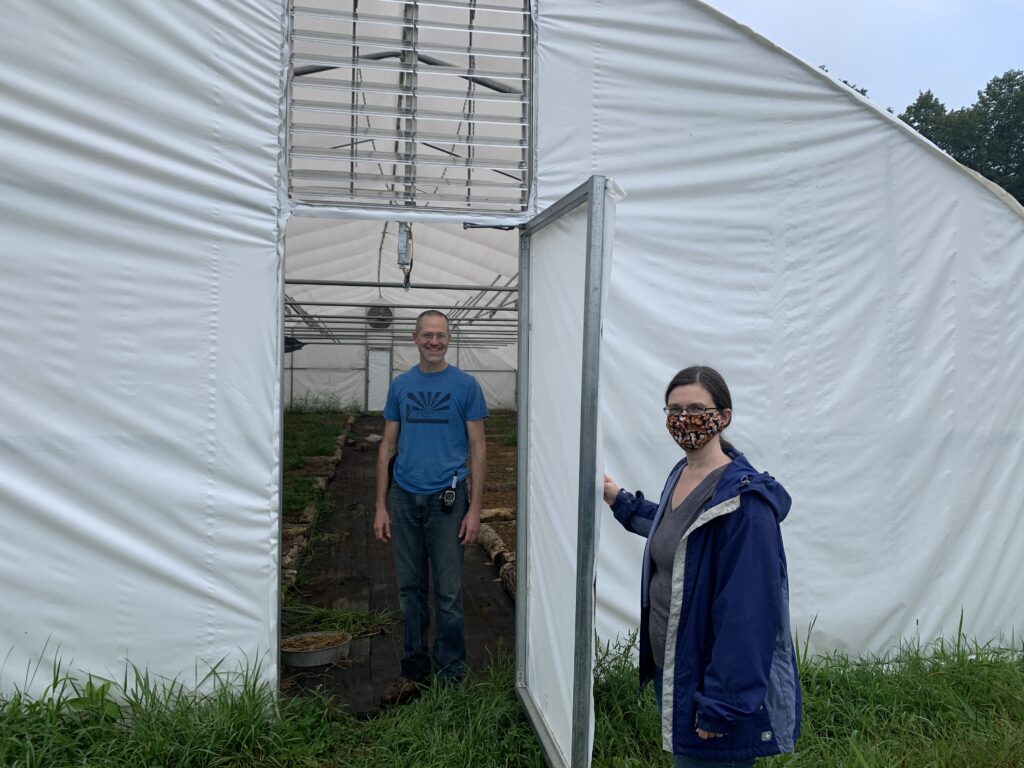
[[664, 544]]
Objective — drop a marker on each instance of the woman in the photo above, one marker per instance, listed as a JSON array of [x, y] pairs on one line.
[[714, 618]]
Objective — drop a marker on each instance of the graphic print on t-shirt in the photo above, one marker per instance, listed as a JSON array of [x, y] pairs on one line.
[[427, 408]]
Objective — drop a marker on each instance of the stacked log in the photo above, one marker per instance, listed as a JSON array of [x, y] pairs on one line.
[[507, 572], [496, 550], [497, 514]]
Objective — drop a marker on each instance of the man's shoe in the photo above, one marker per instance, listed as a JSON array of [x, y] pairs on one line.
[[402, 691]]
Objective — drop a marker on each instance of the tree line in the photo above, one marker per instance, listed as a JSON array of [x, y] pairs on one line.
[[987, 136]]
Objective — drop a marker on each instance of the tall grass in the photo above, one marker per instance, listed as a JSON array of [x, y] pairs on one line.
[[239, 723], [479, 723], [141, 723], [626, 724], [945, 705], [939, 705]]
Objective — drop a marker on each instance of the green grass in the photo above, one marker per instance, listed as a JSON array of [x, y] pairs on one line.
[[478, 724], [311, 433], [626, 723], [959, 704], [297, 618], [238, 723], [321, 404], [141, 724], [940, 706], [307, 433]]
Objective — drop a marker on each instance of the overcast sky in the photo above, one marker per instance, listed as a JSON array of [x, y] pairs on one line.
[[896, 48]]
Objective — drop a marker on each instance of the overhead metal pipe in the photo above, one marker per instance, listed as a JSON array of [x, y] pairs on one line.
[[366, 305], [425, 286]]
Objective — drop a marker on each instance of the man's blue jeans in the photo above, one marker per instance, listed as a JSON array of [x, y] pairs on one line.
[[424, 530]]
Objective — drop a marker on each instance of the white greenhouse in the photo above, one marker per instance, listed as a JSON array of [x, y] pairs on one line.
[[597, 195]]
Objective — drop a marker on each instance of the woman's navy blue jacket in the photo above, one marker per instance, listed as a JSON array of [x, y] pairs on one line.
[[730, 665]]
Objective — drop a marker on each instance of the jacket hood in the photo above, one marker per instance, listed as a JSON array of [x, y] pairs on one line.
[[740, 477]]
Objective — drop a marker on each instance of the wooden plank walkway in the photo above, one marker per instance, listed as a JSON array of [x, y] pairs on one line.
[[355, 571]]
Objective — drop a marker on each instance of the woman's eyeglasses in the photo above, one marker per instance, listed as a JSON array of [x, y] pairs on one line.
[[694, 409]]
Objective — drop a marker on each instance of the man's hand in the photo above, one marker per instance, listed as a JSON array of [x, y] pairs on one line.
[[382, 524], [470, 526], [381, 518]]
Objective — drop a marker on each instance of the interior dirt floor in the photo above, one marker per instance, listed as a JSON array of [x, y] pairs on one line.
[[350, 569]]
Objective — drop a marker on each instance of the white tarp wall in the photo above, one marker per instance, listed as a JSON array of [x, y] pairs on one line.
[[328, 373], [863, 295], [139, 427]]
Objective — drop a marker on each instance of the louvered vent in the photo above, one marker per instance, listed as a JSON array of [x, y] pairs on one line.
[[422, 104]]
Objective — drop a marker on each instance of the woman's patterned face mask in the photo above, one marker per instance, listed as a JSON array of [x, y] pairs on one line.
[[692, 432]]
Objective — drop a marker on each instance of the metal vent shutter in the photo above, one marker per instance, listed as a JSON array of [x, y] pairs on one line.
[[421, 104]]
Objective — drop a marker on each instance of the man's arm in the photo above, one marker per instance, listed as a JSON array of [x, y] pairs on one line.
[[478, 468], [381, 518]]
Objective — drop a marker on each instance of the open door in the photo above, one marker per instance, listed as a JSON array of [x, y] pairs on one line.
[[562, 273]]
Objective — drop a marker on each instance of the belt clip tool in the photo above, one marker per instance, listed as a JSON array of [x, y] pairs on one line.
[[448, 495]]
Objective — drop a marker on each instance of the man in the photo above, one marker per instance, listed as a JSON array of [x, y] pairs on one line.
[[434, 413]]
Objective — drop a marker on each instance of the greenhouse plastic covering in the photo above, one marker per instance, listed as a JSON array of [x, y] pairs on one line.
[[860, 291], [141, 212]]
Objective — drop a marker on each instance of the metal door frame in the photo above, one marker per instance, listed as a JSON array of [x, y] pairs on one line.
[[592, 194]]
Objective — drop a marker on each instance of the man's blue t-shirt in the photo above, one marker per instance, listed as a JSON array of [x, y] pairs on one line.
[[433, 409]]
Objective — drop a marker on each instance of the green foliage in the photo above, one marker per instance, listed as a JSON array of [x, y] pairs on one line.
[[479, 723], [1000, 119], [297, 618], [941, 705], [322, 403], [239, 723], [311, 434], [236, 722], [300, 491], [307, 434], [987, 136], [937, 706], [627, 729], [852, 86], [502, 424], [93, 704]]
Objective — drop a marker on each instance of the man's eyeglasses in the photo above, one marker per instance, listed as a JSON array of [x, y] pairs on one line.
[[694, 409]]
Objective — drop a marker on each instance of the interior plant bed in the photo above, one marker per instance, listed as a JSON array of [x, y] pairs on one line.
[[314, 649]]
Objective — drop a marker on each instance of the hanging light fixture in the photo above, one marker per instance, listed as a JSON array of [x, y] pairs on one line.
[[405, 251]]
